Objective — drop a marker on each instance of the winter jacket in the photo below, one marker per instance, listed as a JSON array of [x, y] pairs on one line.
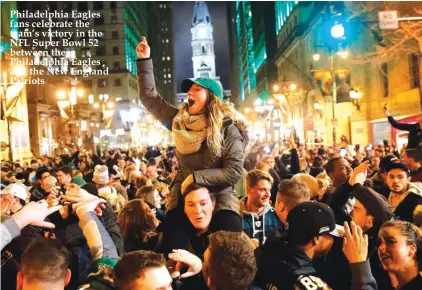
[[415, 132], [103, 253], [415, 284], [377, 184], [283, 266], [416, 175], [267, 222], [70, 233], [411, 202], [218, 174]]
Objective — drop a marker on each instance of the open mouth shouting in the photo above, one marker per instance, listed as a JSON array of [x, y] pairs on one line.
[[191, 102]]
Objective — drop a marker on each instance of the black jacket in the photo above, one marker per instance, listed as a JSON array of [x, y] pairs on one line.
[[415, 132], [281, 265], [407, 207]]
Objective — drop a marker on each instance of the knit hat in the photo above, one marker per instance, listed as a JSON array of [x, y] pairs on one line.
[[309, 219], [14, 189], [207, 83], [373, 203], [100, 174]]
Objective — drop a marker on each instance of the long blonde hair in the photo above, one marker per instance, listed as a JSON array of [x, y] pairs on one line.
[[216, 112]]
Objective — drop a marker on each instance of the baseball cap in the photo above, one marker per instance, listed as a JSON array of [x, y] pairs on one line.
[[386, 161], [14, 189], [309, 219], [397, 165], [208, 83], [373, 203]]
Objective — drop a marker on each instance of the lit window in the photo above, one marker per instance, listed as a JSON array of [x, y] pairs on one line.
[[163, 58], [168, 58], [169, 75], [165, 82], [167, 41], [165, 76]]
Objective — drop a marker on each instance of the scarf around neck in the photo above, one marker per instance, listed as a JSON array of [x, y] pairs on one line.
[[189, 131]]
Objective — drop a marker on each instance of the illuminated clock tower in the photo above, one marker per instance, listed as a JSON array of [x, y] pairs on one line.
[[203, 57]]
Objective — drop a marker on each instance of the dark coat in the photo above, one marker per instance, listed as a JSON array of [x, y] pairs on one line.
[[280, 266], [218, 174], [407, 207], [415, 132]]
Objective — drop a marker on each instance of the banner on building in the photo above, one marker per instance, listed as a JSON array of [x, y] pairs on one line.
[[325, 83], [11, 98], [62, 105], [107, 118]]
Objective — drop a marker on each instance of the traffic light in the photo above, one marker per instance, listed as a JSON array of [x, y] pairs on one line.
[[337, 30]]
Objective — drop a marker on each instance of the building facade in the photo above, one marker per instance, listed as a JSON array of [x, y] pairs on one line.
[[14, 131], [98, 111], [300, 36]]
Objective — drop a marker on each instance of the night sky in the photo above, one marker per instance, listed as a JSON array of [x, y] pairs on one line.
[[182, 20]]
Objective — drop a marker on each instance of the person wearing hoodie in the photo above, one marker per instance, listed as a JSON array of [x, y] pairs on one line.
[[405, 197], [259, 219]]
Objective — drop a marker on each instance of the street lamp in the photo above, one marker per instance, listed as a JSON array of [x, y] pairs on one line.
[[343, 54], [9, 96], [336, 30], [316, 56], [355, 96], [72, 95]]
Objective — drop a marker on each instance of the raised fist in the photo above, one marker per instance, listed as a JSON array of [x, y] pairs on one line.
[[143, 50]]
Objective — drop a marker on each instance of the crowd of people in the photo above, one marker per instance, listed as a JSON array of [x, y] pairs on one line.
[[214, 211]]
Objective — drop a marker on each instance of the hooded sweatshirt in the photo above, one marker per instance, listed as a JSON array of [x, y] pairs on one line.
[[409, 205], [262, 225]]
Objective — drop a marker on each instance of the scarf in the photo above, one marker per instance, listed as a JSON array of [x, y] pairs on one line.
[[189, 131]]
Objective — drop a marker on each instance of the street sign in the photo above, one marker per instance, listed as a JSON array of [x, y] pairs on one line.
[[388, 19]]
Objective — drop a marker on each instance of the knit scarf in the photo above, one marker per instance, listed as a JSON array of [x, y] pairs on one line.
[[189, 131]]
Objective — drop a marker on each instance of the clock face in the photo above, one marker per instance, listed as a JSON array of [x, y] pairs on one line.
[[202, 32]]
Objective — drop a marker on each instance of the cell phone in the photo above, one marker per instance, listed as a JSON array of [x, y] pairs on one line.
[[369, 147], [343, 152]]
